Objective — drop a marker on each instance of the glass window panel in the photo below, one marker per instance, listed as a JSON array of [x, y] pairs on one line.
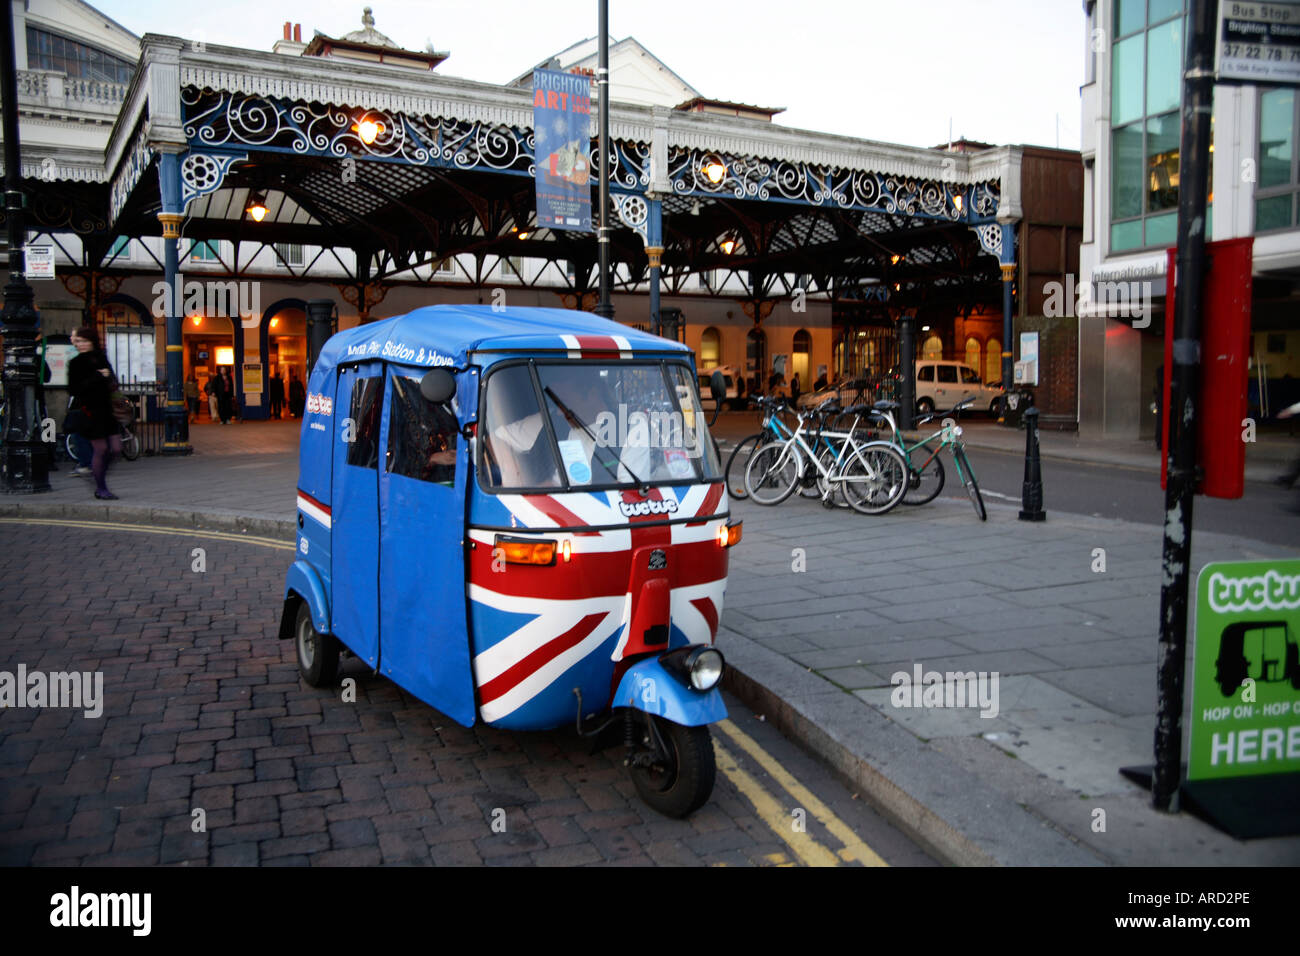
[[947, 373], [1273, 213], [1126, 80], [421, 435], [517, 449], [1163, 9], [364, 409], [1162, 162], [1126, 185], [1129, 16], [693, 426], [1276, 137], [1162, 230], [1126, 235], [1164, 62], [619, 424]]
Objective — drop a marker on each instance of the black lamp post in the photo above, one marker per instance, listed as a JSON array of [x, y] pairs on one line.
[[604, 308], [25, 462]]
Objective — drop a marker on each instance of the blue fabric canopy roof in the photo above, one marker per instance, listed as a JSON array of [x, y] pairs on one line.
[[444, 335]]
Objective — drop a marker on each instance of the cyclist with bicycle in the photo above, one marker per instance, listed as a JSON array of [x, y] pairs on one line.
[[90, 410]]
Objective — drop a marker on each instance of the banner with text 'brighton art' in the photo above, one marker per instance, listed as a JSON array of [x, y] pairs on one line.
[[562, 149]]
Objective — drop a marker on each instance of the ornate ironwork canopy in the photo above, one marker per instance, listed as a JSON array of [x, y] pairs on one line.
[[410, 170]]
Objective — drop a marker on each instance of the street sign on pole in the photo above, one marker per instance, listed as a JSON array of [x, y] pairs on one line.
[[1258, 43], [40, 262]]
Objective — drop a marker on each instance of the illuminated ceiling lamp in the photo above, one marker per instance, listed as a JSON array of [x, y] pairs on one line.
[[256, 206], [368, 130], [956, 201], [895, 259], [714, 169], [727, 245]]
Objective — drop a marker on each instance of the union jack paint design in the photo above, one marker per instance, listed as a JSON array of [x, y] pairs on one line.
[[597, 346], [540, 632]]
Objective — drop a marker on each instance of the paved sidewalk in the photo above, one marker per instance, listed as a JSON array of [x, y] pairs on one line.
[[823, 607], [1265, 457]]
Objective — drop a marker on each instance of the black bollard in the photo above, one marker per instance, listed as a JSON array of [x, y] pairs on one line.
[[1031, 495]]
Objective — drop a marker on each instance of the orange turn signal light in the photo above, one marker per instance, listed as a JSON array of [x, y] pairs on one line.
[[729, 534], [524, 550]]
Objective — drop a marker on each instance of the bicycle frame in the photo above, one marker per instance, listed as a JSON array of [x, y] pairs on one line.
[[832, 476], [948, 437]]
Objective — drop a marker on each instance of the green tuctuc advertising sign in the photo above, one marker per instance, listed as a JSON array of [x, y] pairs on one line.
[[1246, 676]]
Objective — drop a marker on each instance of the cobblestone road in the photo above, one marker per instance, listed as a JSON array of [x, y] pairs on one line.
[[203, 710]]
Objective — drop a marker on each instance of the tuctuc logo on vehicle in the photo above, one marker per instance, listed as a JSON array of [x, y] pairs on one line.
[[320, 404], [634, 508]]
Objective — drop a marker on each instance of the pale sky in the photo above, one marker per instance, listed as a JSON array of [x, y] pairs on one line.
[[1003, 71]]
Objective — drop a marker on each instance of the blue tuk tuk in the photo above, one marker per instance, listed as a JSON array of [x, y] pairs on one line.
[[518, 516]]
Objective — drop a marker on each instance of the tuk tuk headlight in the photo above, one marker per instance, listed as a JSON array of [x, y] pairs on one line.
[[704, 664]]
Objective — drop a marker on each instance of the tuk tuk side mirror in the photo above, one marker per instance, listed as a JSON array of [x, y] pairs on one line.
[[718, 386], [438, 385]]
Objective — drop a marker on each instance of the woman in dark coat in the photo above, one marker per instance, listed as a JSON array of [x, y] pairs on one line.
[[226, 397], [90, 381], [297, 396]]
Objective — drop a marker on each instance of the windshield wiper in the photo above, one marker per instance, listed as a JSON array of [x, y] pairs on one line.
[[572, 418]]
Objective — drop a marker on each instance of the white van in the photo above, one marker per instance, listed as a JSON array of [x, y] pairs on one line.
[[941, 385]]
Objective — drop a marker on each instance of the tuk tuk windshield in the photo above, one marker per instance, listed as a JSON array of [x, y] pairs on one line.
[[593, 425]]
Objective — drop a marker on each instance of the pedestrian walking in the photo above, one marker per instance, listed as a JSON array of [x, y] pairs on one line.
[[211, 388], [297, 395], [794, 389], [192, 397], [277, 396], [226, 397], [91, 384]]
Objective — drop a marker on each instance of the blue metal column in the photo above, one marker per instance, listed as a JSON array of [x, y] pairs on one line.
[[654, 250], [176, 429], [1007, 260]]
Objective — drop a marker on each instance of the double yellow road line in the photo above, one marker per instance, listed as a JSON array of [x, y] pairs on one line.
[[779, 814], [276, 543]]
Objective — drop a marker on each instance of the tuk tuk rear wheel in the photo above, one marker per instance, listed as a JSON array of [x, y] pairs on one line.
[[682, 782], [318, 654]]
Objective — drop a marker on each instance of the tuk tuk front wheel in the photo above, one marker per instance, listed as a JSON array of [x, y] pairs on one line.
[[318, 654], [674, 774]]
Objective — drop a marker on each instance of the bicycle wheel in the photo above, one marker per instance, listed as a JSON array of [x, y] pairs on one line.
[[968, 479], [734, 473], [875, 478], [923, 486], [772, 473], [130, 445], [70, 442]]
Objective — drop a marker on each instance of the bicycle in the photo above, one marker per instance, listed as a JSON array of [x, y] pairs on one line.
[[734, 472], [928, 479], [872, 477]]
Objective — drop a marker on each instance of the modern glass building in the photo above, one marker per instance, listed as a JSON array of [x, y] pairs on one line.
[[1131, 100]]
